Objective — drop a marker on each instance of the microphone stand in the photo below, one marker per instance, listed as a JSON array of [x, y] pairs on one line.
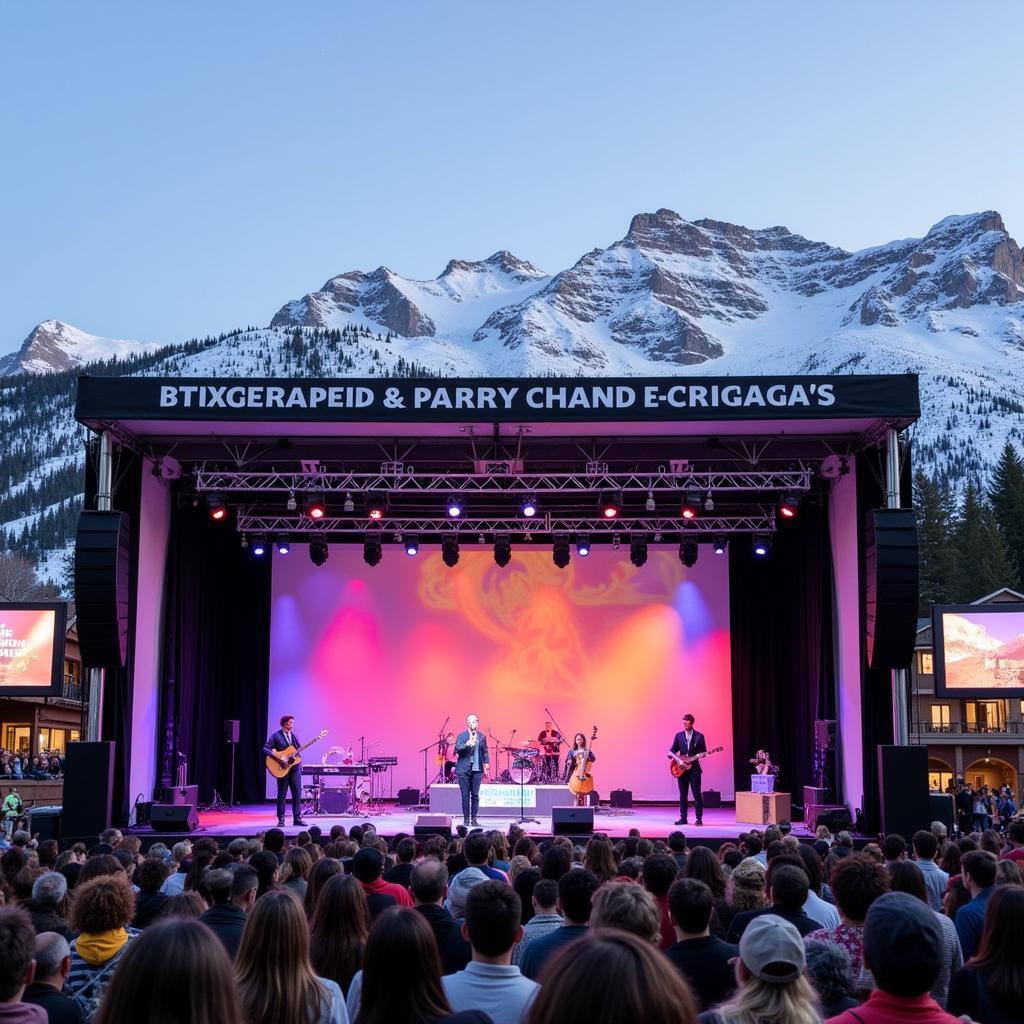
[[522, 819]]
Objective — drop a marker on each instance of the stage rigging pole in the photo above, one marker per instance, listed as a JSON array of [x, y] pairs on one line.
[[104, 503], [900, 730]]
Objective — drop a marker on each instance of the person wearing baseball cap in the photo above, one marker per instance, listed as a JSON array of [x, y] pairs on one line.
[[773, 985], [903, 949]]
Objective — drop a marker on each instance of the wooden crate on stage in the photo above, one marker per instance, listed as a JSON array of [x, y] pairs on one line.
[[763, 808]]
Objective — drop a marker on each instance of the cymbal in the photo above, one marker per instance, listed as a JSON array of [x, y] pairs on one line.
[[523, 751]]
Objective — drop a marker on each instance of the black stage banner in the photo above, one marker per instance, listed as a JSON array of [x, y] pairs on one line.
[[528, 399]]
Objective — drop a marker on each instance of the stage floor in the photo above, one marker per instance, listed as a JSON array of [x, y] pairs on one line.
[[653, 821]]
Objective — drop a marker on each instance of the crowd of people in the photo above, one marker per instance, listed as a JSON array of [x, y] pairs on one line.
[[19, 764], [493, 926]]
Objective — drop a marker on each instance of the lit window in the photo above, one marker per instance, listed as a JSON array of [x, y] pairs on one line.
[[924, 663]]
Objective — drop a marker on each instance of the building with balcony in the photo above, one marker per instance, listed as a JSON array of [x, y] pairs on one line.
[[48, 723], [980, 741]]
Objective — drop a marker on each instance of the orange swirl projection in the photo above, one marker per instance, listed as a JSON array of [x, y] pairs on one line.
[[389, 652]]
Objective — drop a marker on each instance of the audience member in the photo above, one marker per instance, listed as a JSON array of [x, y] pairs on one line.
[[1015, 840], [53, 961], [267, 867], [276, 982], [232, 895], [401, 977], [176, 971], [902, 947], [612, 976], [600, 858], [429, 887], [477, 849], [524, 884], [575, 895], [555, 863], [629, 908], [979, 877], [990, 988], [17, 968], [459, 888], [273, 842], [1008, 873], [152, 873], [894, 849], [926, 846], [659, 872], [828, 970], [815, 907], [295, 871], [101, 913], [98, 865], [339, 930], [368, 867], [856, 883], [182, 904], [545, 918], [677, 848], [500, 846], [491, 982], [770, 975], [405, 854], [48, 906], [181, 862], [907, 877], [744, 890], [704, 960], [322, 871], [787, 889]]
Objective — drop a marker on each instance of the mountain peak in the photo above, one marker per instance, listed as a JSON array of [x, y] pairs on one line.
[[502, 261], [53, 345]]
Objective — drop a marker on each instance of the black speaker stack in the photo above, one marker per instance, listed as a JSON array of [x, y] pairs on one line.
[[88, 790], [572, 821], [102, 554], [173, 818], [903, 785], [891, 587]]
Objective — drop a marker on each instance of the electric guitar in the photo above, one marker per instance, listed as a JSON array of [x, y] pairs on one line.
[[290, 756], [683, 763]]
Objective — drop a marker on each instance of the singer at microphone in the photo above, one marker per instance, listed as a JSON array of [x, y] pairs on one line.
[[471, 767]]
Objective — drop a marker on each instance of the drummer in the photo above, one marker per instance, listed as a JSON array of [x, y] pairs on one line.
[[550, 739]]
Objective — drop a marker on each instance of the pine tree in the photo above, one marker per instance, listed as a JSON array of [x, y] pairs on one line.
[[935, 541], [1007, 497], [983, 558]]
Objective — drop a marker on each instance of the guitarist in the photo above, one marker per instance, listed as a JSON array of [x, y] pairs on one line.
[[281, 740], [687, 743]]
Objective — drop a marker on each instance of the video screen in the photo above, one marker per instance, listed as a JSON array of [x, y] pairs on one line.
[[979, 650], [31, 649]]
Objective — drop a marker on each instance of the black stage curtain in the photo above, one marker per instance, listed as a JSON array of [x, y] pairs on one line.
[[782, 661], [216, 656]]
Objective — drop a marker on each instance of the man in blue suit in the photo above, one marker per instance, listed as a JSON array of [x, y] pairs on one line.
[[471, 767], [687, 743], [281, 740]]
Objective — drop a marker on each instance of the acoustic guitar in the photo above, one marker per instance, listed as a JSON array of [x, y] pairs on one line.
[[291, 757], [681, 763]]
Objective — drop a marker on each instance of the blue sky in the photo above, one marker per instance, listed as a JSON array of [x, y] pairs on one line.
[[176, 169]]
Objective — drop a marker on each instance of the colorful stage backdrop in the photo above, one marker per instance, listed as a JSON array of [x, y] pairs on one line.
[[389, 652]]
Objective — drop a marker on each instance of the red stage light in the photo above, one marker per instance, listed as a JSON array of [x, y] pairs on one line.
[[610, 505], [376, 506], [218, 510], [689, 512], [691, 505], [789, 506]]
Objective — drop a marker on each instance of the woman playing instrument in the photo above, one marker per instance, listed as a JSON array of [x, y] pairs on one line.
[[575, 769]]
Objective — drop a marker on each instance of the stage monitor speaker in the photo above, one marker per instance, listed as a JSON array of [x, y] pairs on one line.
[[572, 821], [231, 727], [408, 797], [433, 825], [142, 812], [941, 808], [621, 798], [903, 789], [712, 797], [173, 818], [837, 819], [44, 823], [102, 562], [335, 801], [891, 586], [88, 790]]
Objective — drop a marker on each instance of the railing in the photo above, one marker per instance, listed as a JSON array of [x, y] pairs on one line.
[[974, 729]]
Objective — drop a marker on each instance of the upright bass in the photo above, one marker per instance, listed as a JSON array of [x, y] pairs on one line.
[[581, 779]]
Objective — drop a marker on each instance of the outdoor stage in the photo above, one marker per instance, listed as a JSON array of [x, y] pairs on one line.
[[654, 822]]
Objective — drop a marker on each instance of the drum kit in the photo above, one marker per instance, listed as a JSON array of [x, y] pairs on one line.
[[529, 766]]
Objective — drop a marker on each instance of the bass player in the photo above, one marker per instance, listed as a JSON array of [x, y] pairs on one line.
[[686, 744]]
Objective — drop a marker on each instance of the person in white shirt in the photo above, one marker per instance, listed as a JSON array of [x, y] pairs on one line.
[[926, 846], [490, 982]]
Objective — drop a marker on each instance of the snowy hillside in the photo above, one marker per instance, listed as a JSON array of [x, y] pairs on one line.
[[671, 296]]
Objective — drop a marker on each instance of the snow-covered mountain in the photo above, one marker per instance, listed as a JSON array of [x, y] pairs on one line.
[[670, 297], [962, 638], [54, 345]]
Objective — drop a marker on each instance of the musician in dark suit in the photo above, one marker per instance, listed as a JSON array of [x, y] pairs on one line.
[[281, 740], [471, 767], [687, 743]]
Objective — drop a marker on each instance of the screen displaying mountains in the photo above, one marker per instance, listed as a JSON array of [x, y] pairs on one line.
[[984, 649]]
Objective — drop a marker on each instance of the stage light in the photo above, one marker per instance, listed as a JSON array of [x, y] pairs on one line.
[[412, 546], [349, 506], [291, 504], [454, 507], [691, 505], [259, 547], [450, 552], [615, 542], [709, 503], [610, 504], [789, 506], [718, 544], [529, 507], [502, 552], [314, 507], [376, 506], [650, 505], [560, 552], [638, 551], [218, 510], [318, 551], [372, 550], [244, 542], [282, 545], [762, 545], [583, 546], [688, 552]]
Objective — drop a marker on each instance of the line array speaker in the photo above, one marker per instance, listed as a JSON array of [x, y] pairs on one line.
[[88, 789], [891, 586], [101, 588], [903, 785]]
